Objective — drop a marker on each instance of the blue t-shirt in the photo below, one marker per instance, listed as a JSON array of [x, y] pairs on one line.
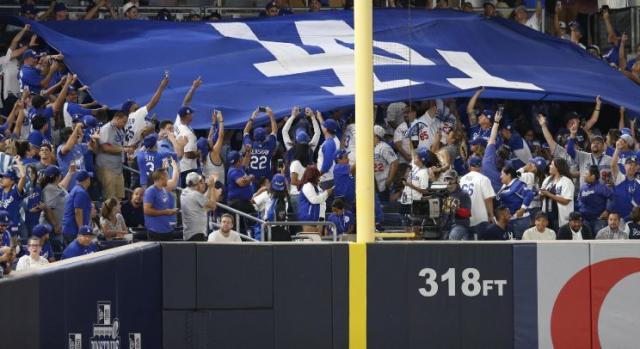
[[75, 249], [630, 64], [343, 222], [77, 109], [47, 113], [624, 196], [159, 200], [261, 155], [77, 198], [30, 76], [345, 183], [494, 232], [593, 199], [10, 201], [613, 56], [234, 191], [6, 238], [149, 161], [47, 251], [75, 155], [31, 201]]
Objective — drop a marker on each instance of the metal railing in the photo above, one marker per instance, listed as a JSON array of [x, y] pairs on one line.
[[269, 225]]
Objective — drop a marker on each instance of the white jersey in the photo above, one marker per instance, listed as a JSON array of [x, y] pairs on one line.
[[327, 176], [419, 177], [350, 142], [399, 136], [136, 123], [184, 130], [11, 71], [427, 128], [479, 188], [383, 156], [563, 187]]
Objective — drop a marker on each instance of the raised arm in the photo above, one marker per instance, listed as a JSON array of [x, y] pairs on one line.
[[607, 22], [274, 124], [594, 116], [92, 11], [556, 19], [621, 118], [622, 54], [288, 143], [547, 134], [194, 86], [16, 39], [175, 176], [73, 139], [614, 160], [249, 125], [471, 106], [217, 147], [315, 121], [62, 96], [156, 96], [494, 129]]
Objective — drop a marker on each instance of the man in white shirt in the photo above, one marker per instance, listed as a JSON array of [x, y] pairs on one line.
[[428, 125], [540, 230], [385, 162], [137, 119], [33, 259], [522, 17], [225, 233], [479, 188], [182, 128], [196, 202]]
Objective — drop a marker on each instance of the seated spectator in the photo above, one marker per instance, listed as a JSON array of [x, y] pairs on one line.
[[575, 229], [501, 229], [197, 200], [158, 211], [226, 232], [83, 244], [112, 223], [457, 208], [313, 199], [7, 257], [32, 260], [612, 231], [132, 209], [489, 9], [342, 218], [540, 230], [43, 232], [633, 227], [77, 207]]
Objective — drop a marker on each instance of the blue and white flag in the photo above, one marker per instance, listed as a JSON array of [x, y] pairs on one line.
[[307, 60]]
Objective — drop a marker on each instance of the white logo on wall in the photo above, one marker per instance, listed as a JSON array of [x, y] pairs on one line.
[[105, 331], [336, 39]]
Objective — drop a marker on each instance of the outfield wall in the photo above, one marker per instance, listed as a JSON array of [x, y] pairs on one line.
[[420, 295]]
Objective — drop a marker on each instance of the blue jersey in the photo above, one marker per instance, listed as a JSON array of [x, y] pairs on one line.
[[514, 195], [76, 155], [345, 183], [78, 198], [31, 201], [234, 191], [308, 211], [490, 168], [6, 238], [31, 77], [149, 161], [10, 201], [159, 200], [476, 131], [626, 196], [47, 251], [593, 199], [612, 57], [75, 249], [342, 221], [623, 157], [261, 155]]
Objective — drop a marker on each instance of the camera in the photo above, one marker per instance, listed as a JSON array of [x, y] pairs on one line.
[[604, 8], [262, 109]]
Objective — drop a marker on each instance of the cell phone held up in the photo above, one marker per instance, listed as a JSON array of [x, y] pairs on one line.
[[280, 164], [262, 109]]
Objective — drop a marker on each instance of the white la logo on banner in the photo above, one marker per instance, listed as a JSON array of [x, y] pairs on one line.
[[292, 59]]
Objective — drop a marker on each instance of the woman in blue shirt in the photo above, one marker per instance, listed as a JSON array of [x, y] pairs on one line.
[[313, 199], [515, 195]]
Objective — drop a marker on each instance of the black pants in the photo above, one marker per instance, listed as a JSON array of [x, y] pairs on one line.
[[245, 206], [161, 236], [198, 237]]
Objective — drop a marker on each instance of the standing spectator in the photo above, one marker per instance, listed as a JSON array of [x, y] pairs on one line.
[[77, 207], [158, 211], [262, 147], [82, 244], [327, 153], [132, 209], [517, 145], [12, 194], [110, 158], [167, 141], [149, 159], [32, 202], [593, 200], [458, 203], [54, 195], [522, 17], [415, 186], [43, 232], [138, 117], [343, 174], [112, 222], [385, 162], [196, 201], [240, 187], [32, 260], [46, 157], [211, 152], [489, 9], [71, 108], [189, 161], [612, 231], [310, 142], [301, 159], [74, 151], [60, 11], [31, 77], [539, 231], [575, 229], [515, 195], [401, 139], [490, 160], [501, 229], [342, 218], [533, 174], [626, 191], [279, 209], [557, 192], [9, 68], [226, 232], [313, 199], [480, 122], [613, 38], [481, 193]]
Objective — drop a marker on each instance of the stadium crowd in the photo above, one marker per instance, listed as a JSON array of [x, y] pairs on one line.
[[75, 173]]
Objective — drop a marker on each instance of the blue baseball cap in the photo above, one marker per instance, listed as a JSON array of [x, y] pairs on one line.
[[331, 125], [259, 134], [35, 138], [59, 6], [233, 157], [625, 131], [423, 154], [488, 113], [126, 106], [82, 175], [478, 141], [29, 54], [475, 161], [340, 154], [150, 140], [540, 163], [41, 230], [631, 159], [10, 174], [302, 137], [278, 182], [185, 111], [85, 230], [89, 121], [203, 145], [4, 218], [52, 171], [506, 126]]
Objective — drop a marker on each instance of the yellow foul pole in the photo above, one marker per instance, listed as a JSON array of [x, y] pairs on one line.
[[365, 213]]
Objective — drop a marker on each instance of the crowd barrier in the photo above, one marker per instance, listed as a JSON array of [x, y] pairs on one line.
[[277, 295]]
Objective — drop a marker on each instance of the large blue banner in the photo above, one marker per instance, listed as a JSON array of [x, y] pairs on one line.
[[307, 60]]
